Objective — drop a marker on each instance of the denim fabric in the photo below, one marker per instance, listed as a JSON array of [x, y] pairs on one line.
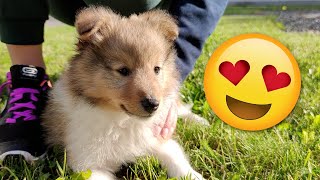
[[197, 20]]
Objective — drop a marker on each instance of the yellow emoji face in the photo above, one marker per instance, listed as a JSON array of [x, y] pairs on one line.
[[252, 82]]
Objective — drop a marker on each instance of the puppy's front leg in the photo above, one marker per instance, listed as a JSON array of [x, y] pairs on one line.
[[172, 157], [101, 175]]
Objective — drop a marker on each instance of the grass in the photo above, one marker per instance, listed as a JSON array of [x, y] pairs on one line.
[[267, 9], [290, 150]]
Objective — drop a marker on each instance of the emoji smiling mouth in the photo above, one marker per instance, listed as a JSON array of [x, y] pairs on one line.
[[246, 110]]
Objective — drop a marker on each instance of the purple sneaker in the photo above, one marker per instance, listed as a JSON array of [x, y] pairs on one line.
[[20, 129]]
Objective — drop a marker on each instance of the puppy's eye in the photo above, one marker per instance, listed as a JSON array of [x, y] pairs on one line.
[[157, 69], [124, 71]]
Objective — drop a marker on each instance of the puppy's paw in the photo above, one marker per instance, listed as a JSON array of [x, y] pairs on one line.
[[184, 111], [199, 119], [101, 175]]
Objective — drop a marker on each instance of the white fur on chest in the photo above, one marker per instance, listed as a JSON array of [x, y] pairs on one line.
[[105, 138]]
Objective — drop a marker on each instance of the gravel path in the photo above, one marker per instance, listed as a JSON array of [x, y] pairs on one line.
[[300, 21]]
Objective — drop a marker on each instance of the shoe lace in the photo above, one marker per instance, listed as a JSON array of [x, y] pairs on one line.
[[17, 94]]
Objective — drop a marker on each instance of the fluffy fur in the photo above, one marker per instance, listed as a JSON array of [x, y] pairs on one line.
[[95, 110]]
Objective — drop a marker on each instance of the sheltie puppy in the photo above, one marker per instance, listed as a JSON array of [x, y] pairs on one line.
[[121, 82]]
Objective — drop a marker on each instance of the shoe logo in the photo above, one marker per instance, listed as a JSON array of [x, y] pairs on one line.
[[29, 71]]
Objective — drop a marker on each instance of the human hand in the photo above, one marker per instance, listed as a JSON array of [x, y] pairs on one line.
[[166, 129]]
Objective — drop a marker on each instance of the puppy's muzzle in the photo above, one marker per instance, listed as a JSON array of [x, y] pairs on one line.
[[150, 104]]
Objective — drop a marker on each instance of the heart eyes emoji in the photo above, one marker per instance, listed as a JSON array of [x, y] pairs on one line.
[[234, 73], [272, 80]]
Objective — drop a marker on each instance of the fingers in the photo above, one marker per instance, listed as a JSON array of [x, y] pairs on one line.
[[156, 130], [170, 123], [164, 132], [166, 128], [170, 131]]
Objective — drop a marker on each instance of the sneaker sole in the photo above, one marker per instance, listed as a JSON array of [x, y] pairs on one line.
[[26, 155], [23, 139]]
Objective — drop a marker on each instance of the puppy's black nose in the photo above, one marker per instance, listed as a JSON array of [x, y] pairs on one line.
[[150, 105]]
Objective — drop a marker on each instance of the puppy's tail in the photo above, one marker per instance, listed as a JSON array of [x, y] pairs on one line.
[[184, 111]]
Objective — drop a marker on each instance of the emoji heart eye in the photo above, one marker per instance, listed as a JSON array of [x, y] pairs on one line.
[[273, 80], [234, 73]]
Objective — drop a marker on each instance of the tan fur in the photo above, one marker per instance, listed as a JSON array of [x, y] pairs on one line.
[[96, 113], [122, 49]]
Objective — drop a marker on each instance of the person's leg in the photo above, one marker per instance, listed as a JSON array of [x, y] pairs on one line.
[[21, 24], [127, 7], [26, 54], [196, 19], [21, 29], [65, 11]]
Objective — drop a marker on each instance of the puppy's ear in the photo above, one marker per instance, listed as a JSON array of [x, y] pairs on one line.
[[162, 21], [94, 24]]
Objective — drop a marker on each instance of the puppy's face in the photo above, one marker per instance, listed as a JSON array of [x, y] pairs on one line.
[[126, 64]]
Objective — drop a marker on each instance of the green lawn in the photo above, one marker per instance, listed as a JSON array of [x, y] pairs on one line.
[[291, 150], [267, 9]]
